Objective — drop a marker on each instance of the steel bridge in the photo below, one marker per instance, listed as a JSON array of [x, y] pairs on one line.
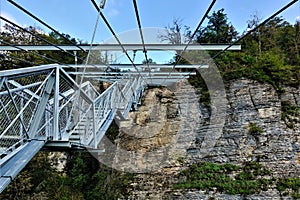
[[45, 106], [61, 106]]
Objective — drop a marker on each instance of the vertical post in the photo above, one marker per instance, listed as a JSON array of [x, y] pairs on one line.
[[21, 116], [113, 102], [56, 106], [75, 57], [94, 125], [47, 127]]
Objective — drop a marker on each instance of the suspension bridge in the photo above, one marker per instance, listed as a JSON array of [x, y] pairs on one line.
[[61, 106]]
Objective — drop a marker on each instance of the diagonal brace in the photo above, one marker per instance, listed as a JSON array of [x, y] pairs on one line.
[[15, 106], [41, 107]]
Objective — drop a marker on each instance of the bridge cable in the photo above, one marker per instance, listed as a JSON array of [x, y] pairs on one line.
[[34, 53], [35, 35], [39, 37], [89, 52], [77, 104], [116, 37], [87, 60], [193, 35], [255, 28], [43, 39], [48, 26], [45, 24], [31, 52], [249, 32], [16, 58], [142, 37]]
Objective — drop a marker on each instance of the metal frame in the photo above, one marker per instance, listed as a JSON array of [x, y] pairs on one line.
[[48, 104]]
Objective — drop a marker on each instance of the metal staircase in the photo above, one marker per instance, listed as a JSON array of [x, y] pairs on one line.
[[44, 106]]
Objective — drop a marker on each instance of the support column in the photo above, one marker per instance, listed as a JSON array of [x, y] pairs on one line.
[[56, 106], [94, 126]]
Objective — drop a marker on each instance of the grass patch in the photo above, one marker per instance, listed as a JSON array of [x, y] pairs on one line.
[[289, 111], [291, 184], [250, 178], [254, 129]]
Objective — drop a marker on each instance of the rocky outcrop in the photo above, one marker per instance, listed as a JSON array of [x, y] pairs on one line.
[[170, 131], [276, 145], [160, 132]]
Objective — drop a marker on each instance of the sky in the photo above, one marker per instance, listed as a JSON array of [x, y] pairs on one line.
[[78, 17]]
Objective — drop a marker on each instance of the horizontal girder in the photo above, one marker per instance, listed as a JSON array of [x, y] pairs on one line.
[[121, 74], [117, 47], [138, 66]]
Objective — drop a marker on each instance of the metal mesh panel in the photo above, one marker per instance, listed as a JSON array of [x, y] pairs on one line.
[[66, 94], [19, 98], [48, 104]]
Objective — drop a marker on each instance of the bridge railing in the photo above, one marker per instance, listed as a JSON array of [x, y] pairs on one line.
[[84, 113], [46, 103], [20, 93], [45, 106], [115, 98], [76, 112]]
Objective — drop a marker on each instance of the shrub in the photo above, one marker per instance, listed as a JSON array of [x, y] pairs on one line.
[[254, 129]]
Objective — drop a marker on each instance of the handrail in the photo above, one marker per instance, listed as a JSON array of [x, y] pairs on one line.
[[25, 71]]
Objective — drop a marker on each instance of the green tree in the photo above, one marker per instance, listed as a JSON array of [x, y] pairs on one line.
[[252, 23], [16, 36], [218, 30]]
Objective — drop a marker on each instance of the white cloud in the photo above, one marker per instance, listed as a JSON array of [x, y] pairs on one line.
[[298, 18], [113, 7], [112, 12], [8, 17], [113, 3]]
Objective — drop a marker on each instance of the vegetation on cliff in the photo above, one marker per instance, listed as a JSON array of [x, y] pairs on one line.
[[249, 178]]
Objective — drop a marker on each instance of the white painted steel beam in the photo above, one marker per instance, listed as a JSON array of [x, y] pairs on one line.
[[117, 47], [121, 74], [20, 71], [139, 66]]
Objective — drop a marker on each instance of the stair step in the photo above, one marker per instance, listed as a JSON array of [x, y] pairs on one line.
[[74, 137]]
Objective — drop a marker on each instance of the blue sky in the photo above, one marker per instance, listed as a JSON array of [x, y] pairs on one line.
[[78, 17]]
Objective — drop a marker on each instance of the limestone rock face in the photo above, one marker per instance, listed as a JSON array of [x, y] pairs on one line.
[[276, 146], [160, 131], [170, 129]]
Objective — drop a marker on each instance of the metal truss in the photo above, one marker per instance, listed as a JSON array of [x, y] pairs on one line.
[[44, 106]]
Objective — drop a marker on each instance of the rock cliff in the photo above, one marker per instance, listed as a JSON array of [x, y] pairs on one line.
[[169, 131]]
